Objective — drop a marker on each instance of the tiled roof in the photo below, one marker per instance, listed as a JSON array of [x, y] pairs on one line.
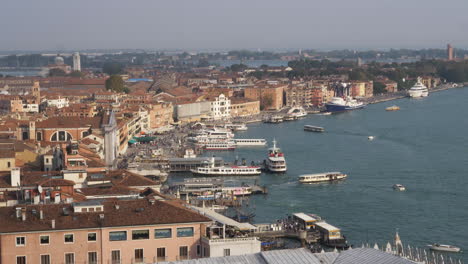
[[129, 213]]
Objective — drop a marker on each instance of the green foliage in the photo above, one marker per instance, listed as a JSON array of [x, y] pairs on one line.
[[379, 88], [115, 83], [76, 74], [55, 72], [266, 101], [238, 67], [112, 68], [358, 75]]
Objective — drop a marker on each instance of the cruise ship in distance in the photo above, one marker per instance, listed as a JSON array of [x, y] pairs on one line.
[[418, 90], [338, 104], [276, 161]]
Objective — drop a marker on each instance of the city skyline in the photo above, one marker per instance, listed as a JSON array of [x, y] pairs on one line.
[[210, 25]]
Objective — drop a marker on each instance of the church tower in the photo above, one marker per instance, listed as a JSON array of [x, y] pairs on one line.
[[110, 141], [36, 91]]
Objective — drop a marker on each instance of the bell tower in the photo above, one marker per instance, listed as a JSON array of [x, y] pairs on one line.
[[36, 91]]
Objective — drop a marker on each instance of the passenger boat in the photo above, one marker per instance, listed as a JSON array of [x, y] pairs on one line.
[[445, 248], [274, 119], [338, 104], [392, 108], [236, 126], [418, 90], [238, 191], [399, 187], [276, 161], [322, 177], [289, 118], [219, 146], [212, 170], [297, 112], [249, 142], [314, 128]]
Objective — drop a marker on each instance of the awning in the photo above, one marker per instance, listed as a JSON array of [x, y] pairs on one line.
[[132, 141], [223, 219], [144, 139]]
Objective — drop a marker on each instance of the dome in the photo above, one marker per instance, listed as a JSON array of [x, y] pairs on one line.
[[59, 60]]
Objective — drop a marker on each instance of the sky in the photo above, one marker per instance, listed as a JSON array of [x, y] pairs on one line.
[[235, 24]]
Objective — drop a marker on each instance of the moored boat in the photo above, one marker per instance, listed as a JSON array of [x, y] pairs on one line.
[[275, 119], [338, 104], [445, 248], [418, 90], [249, 142], [226, 170], [322, 177], [297, 112], [219, 146]]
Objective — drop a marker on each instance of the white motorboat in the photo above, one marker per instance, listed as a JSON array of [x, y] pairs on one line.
[[322, 177], [418, 90], [399, 187], [276, 161], [370, 137], [445, 248]]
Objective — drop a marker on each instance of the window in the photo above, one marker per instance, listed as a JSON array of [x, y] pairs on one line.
[[69, 258], [44, 240], [227, 252], [61, 136], [39, 136], [183, 252], [92, 237], [139, 255], [20, 241], [21, 260], [45, 259], [185, 232], [161, 254], [118, 236], [68, 238], [198, 250], [92, 258], [163, 233], [115, 256], [9, 164], [140, 234]]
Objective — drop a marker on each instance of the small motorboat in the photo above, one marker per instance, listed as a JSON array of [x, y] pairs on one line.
[[399, 187], [370, 137], [392, 108], [445, 248]]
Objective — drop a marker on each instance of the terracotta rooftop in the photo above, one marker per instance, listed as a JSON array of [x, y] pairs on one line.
[[129, 213]]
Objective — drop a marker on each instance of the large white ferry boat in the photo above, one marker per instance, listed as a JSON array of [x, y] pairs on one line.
[[322, 177], [212, 170], [218, 145], [418, 90], [276, 161]]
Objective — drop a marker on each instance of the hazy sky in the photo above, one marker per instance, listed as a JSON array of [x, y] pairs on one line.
[[234, 24]]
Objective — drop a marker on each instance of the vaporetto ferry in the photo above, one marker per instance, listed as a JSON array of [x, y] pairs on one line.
[[322, 177]]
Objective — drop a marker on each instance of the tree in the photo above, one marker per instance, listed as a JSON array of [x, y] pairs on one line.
[[238, 67], [112, 68], [266, 101], [56, 72], [77, 74], [115, 83], [379, 88]]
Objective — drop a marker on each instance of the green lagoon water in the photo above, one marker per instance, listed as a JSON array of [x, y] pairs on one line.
[[424, 146]]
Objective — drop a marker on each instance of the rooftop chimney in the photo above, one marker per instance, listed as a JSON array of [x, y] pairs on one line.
[[117, 207], [53, 223], [15, 177], [101, 216], [23, 214], [41, 214], [18, 212]]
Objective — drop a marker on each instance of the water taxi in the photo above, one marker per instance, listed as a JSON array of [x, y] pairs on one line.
[[392, 108], [445, 248], [314, 128], [399, 187], [276, 161], [322, 177], [249, 142]]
